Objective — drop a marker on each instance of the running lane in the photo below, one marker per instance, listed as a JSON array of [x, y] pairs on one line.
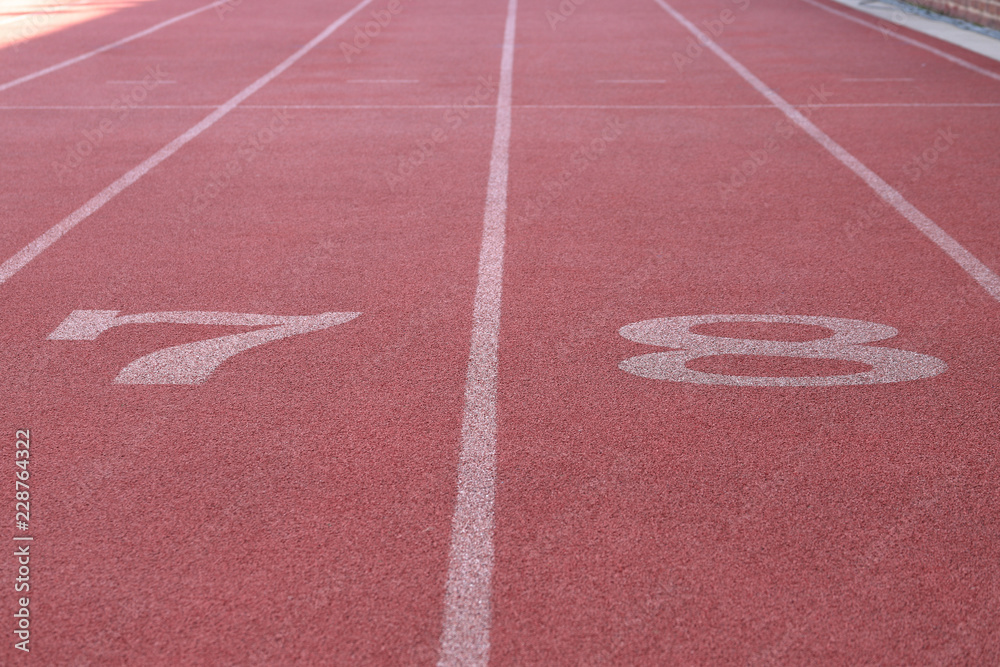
[[296, 506], [923, 123], [651, 521], [75, 130]]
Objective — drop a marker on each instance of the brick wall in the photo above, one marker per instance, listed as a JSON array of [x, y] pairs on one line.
[[983, 12]]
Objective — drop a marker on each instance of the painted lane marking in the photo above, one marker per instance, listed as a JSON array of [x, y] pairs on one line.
[[965, 259], [36, 247], [817, 105], [913, 42], [846, 344], [465, 635], [14, 19], [108, 47], [256, 106], [335, 107], [192, 363]]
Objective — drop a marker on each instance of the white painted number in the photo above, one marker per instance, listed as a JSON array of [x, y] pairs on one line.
[[192, 363], [887, 364]]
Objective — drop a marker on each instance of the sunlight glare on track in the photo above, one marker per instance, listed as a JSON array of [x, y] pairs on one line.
[[17, 36], [45, 18]]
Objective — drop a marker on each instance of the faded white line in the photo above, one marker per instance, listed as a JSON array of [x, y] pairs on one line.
[[643, 106], [335, 107], [465, 636], [969, 262], [367, 106], [242, 106], [108, 47], [860, 105], [65, 107], [15, 19], [36, 247], [903, 38], [847, 105]]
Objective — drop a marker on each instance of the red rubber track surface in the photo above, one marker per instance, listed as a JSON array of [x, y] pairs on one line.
[[666, 523], [296, 508]]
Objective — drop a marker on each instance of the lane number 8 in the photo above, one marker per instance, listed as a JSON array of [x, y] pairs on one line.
[[847, 343]]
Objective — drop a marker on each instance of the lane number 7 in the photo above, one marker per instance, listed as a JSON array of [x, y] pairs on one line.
[[192, 363]]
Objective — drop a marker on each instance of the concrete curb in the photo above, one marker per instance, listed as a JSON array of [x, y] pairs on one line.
[[945, 29]]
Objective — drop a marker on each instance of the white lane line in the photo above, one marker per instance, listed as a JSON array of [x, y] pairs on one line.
[[109, 107], [866, 80], [383, 81], [101, 107], [903, 38], [631, 81], [33, 249], [681, 107], [843, 105], [645, 106], [969, 263], [108, 47], [465, 636], [15, 19], [368, 106], [245, 106], [859, 105]]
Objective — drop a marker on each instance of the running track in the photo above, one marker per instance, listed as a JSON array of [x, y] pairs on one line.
[[453, 467]]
